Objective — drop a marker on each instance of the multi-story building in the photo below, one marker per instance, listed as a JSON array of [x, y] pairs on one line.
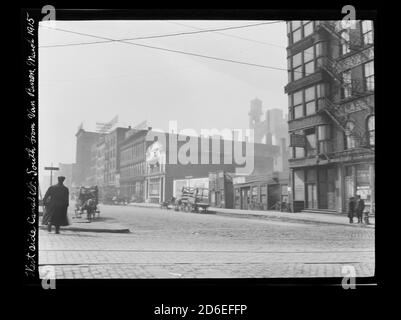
[[133, 164], [99, 170], [91, 178], [331, 113], [82, 168], [165, 176], [112, 143]]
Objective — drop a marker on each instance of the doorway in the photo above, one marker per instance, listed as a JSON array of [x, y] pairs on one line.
[[245, 198], [311, 195]]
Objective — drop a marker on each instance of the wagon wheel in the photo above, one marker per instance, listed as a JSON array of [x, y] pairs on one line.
[[89, 214], [77, 213]]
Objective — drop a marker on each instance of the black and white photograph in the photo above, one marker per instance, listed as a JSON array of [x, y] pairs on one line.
[[202, 148]]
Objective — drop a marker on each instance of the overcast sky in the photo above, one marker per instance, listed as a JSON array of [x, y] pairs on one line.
[[93, 83]]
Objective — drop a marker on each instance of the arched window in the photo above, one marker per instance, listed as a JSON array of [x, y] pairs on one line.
[[371, 130], [349, 137]]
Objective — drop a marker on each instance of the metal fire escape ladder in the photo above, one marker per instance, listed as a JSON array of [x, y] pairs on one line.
[[332, 28], [334, 112], [356, 86], [340, 118], [332, 68]]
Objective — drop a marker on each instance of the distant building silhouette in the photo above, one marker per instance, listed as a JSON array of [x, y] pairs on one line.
[[272, 130], [82, 168]]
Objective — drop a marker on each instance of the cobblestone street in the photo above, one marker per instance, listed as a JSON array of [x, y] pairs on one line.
[[169, 244]]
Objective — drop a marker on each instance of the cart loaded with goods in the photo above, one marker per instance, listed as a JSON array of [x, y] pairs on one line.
[[88, 199], [193, 199]]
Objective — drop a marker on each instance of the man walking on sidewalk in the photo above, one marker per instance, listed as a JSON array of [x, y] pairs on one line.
[[351, 209], [359, 208], [56, 201]]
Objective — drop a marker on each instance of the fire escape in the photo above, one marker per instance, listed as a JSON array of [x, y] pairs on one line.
[[358, 95]]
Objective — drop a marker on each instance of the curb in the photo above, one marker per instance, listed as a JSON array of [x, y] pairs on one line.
[[306, 221], [98, 230], [279, 219]]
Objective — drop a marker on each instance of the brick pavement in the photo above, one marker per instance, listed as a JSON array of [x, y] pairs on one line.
[[168, 244], [83, 257]]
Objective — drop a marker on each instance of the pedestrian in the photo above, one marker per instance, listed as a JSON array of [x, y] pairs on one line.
[[57, 201], [360, 207], [351, 209]]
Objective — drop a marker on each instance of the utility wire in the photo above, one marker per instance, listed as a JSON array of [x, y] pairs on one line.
[[229, 35], [171, 50], [163, 35]]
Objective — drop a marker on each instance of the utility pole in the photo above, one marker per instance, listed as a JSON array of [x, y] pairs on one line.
[[51, 168]]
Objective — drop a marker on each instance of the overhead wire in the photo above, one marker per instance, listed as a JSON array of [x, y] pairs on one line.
[[172, 50], [160, 36]]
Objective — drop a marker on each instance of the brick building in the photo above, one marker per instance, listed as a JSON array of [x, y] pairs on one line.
[[149, 173], [112, 144], [133, 164], [83, 163], [331, 114], [164, 177], [99, 167]]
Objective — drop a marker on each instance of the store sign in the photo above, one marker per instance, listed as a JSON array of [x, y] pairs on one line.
[[297, 140], [237, 180]]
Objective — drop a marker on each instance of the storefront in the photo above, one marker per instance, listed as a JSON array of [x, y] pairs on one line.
[[315, 188], [359, 180], [264, 194], [221, 189], [133, 190], [330, 187]]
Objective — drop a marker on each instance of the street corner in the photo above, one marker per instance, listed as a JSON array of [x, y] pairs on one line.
[[83, 225]]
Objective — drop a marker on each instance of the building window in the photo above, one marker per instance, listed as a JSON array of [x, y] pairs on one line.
[[297, 103], [297, 66], [310, 148], [303, 64], [299, 152], [369, 75], [309, 60], [349, 135], [298, 30], [367, 32], [305, 102], [324, 136], [347, 89], [308, 28], [310, 100], [371, 130], [345, 41]]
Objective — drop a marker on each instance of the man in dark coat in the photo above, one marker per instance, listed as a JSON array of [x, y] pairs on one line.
[[351, 209], [56, 201], [359, 209]]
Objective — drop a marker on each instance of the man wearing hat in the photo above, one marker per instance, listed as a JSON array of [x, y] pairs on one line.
[[56, 201]]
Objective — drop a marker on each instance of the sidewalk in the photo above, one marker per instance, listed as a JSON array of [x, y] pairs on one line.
[[324, 218]]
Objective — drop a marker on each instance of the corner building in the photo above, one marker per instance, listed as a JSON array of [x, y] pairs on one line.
[[331, 114]]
